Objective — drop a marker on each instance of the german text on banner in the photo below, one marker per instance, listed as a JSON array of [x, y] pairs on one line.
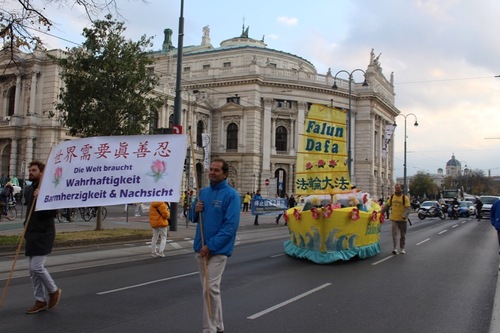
[[321, 158], [103, 171]]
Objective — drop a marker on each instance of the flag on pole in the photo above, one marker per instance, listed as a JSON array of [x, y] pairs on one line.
[[389, 130]]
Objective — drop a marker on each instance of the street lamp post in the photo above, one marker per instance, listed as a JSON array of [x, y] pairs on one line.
[[405, 189], [349, 113]]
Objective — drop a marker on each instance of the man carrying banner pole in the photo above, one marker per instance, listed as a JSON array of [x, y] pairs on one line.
[[217, 212]]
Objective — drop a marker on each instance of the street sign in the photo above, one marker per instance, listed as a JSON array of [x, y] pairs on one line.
[[266, 182], [177, 129]]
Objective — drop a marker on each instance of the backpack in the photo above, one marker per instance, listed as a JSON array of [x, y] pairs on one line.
[[390, 200]]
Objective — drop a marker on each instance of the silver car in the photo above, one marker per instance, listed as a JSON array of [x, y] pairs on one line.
[[487, 201]]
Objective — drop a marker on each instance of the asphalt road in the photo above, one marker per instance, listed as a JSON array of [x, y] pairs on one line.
[[445, 283]]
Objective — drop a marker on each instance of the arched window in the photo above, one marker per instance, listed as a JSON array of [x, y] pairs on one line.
[[232, 136], [171, 120], [281, 138], [12, 101], [199, 131]]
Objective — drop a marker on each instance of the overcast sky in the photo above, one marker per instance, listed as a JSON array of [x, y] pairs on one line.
[[444, 55]]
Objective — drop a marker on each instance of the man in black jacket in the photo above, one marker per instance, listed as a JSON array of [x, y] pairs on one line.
[[40, 234]]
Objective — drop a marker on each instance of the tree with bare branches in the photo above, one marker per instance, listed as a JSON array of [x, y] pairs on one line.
[[20, 19]]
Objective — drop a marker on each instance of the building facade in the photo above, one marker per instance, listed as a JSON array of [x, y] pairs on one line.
[[249, 100]]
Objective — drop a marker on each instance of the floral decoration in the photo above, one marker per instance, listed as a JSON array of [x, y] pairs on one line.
[[58, 175], [158, 168], [332, 163], [315, 213], [355, 214], [382, 218], [374, 216], [321, 164], [296, 213], [327, 211], [285, 216]]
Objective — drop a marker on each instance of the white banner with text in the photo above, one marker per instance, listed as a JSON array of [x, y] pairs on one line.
[[111, 170]]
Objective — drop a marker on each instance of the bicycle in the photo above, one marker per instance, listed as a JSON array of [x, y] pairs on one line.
[[11, 211], [66, 214], [87, 213]]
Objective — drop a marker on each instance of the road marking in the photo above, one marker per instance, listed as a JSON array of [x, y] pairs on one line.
[[176, 246], [146, 283], [442, 232], [382, 260], [454, 226], [425, 240], [278, 255], [291, 300]]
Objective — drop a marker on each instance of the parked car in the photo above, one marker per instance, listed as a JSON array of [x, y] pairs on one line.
[[487, 201]]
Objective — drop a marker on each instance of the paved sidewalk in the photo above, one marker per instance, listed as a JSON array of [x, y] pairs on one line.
[[142, 222], [179, 241]]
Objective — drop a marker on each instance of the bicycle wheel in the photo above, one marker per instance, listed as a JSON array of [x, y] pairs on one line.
[[73, 213], [87, 214], [60, 215], [11, 213]]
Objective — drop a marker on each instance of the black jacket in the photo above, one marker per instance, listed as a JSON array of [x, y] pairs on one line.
[[41, 230]]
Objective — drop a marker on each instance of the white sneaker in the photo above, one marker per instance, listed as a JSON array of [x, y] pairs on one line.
[[403, 251], [395, 251], [154, 254], [161, 254]]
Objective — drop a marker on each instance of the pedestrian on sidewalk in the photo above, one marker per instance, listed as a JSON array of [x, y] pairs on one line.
[[219, 206], [246, 201], [158, 219], [257, 196], [40, 234]]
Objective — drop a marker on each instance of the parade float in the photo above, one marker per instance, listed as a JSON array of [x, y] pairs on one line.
[[335, 221]]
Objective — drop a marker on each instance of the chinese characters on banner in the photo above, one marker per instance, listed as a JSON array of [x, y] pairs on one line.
[[268, 206], [321, 158], [103, 171]]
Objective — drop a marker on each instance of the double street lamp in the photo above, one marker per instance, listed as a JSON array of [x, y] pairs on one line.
[[405, 189], [349, 113]]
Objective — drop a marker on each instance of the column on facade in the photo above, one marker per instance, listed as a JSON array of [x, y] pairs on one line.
[[29, 150], [241, 137], [13, 158], [33, 92], [266, 138], [18, 95], [301, 115], [292, 137], [273, 134]]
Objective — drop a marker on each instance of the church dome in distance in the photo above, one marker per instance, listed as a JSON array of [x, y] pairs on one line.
[[453, 162]]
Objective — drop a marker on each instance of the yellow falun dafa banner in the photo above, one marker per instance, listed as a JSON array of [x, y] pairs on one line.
[[322, 166]]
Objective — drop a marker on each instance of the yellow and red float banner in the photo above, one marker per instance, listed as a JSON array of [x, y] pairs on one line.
[[321, 158]]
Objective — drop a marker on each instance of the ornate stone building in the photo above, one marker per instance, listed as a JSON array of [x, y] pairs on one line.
[[250, 99]]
